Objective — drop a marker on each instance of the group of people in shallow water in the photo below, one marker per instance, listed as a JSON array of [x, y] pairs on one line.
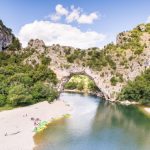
[[39, 125]]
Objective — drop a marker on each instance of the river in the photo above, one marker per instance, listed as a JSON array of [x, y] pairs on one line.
[[96, 124]]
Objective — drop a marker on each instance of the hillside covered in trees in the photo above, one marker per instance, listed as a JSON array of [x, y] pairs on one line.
[[24, 84]]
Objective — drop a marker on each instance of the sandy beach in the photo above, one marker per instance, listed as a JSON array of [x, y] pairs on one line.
[[16, 126], [126, 102], [147, 109]]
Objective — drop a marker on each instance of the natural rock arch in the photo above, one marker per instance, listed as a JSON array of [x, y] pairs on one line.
[[64, 70], [67, 78], [81, 71]]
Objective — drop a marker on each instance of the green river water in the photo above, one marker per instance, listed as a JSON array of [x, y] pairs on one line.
[[96, 125]]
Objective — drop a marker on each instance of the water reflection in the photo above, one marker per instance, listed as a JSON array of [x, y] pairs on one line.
[[96, 125], [125, 127]]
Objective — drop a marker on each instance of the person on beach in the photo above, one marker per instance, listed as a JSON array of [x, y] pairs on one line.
[[6, 134], [36, 121]]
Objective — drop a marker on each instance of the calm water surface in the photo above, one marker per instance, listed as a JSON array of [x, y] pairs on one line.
[[96, 125]]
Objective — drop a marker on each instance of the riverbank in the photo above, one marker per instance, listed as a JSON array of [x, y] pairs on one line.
[[16, 126], [145, 110], [126, 102], [98, 94], [75, 91]]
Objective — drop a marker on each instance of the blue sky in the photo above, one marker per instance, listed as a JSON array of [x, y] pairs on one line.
[[114, 16]]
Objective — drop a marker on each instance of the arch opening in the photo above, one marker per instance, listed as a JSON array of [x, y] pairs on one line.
[[80, 82]]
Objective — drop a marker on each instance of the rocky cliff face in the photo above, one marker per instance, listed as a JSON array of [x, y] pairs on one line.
[[126, 37], [36, 43], [6, 36], [122, 38]]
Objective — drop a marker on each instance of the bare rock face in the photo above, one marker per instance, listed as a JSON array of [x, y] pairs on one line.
[[123, 38], [142, 27], [36, 43], [6, 36]]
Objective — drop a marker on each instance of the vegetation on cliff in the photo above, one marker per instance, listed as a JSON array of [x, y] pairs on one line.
[[97, 58], [137, 90]]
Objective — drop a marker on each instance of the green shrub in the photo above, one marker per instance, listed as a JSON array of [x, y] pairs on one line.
[[113, 81], [92, 87], [80, 86], [2, 100], [20, 78], [15, 45], [41, 92], [45, 60], [71, 85], [52, 95], [42, 73]]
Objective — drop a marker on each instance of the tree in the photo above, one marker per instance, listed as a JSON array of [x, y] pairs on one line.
[[71, 85], [113, 81], [42, 92], [45, 60], [20, 78], [80, 86], [15, 45], [42, 73], [2, 100], [18, 95], [92, 86]]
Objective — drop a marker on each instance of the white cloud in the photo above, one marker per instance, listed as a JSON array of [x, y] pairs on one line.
[[148, 19], [55, 17], [87, 19], [73, 14], [56, 33], [61, 10]]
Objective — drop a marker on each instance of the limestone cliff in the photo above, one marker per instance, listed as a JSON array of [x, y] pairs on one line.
[[6, 36]]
